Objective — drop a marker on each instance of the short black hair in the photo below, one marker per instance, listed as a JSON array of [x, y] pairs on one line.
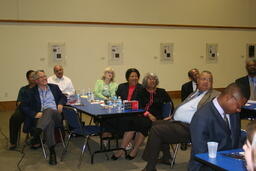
[[28, 73], [129, 71], [232, 87]]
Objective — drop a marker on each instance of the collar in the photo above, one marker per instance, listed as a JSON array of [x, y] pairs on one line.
[[57, 78], [218, 107]]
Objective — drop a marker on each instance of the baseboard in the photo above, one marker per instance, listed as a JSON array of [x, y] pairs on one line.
[[7, 106]]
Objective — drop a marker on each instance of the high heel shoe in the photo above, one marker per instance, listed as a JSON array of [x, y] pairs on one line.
[[128, 157], [113, 157]]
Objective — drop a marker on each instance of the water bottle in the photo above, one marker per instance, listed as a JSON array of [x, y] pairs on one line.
[[119, 103], [89, 94], [114, 101], [78, 99]]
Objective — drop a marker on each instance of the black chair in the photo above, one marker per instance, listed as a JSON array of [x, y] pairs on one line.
[[74, 127]]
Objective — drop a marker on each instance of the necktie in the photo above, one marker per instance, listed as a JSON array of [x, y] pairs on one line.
[[226, 120]]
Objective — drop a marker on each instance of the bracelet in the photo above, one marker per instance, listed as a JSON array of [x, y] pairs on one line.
[[146, 114]]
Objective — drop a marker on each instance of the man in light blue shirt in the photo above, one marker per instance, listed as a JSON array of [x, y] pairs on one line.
[[43, 106]]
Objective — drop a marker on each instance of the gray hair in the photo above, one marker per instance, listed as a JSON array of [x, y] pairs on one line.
[[35, 76], [147, 76]]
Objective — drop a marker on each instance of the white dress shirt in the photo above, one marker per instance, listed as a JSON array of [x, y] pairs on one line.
[[185, 112], [64, 83], [220, 110], [194, 85]]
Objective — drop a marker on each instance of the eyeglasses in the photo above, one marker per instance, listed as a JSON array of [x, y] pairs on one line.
[[42, 77], [206, 79]]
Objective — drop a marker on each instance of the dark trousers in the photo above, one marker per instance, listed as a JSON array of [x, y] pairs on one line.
[[15, 122], [161, 135], [50, 119]]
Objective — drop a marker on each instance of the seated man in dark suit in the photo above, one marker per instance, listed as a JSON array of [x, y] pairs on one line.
[[18, 117], [189, 87], [167, 132], [217, 121], [44, 104], [248, 82]]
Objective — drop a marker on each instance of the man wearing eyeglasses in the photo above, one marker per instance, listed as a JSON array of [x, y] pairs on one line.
[[176, 131], [217, 121], [43, 105]]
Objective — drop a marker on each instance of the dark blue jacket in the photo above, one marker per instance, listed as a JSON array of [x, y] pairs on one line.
[[208, 125], [32, 103]]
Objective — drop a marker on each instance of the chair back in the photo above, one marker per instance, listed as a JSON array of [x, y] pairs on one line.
[[71, 116], [167, 109]]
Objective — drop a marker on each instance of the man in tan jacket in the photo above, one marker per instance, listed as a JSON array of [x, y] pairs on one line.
[[176, 130]]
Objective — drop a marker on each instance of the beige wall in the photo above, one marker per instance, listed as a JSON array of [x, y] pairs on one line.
[[206, 12], [25, 46]]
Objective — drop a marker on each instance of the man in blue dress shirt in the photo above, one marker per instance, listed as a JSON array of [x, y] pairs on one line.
[[43, 106]]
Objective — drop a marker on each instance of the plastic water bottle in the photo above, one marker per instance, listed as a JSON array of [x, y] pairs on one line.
[[114, 101], [89, 93], [119, 103], [78, 99]]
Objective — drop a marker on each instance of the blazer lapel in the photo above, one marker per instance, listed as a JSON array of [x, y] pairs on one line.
[[37, 96]]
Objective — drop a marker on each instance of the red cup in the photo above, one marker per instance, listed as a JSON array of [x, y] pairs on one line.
[[135, 105]]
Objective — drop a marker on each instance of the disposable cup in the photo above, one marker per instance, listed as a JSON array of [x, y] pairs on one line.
[[212, 149]]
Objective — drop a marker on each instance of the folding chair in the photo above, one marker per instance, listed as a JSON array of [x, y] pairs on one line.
[[74, 126]]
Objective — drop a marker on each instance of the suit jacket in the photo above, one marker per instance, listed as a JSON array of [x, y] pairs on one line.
[[208, 125], [243, 82], [186, 90], [32, 103], [206, 98], [123, 90]]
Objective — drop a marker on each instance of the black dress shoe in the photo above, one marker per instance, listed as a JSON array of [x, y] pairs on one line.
[[113, 157], [35, 146], [52, 159], [128, 157], [165, 161], [183, 146], [12, 147]]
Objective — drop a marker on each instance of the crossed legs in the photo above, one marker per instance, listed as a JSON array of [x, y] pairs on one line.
[[161, 135]]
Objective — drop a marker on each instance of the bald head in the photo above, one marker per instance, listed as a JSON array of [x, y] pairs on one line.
[[251, 67], [232, 99], [58, 71], [193, 74]]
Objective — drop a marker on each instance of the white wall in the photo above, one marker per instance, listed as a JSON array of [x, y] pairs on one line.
[[25, 46]]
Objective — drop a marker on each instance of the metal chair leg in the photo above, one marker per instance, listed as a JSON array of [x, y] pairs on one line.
[[175, 154], [66, 147], [43, 148], [83, 150], [62, 139]]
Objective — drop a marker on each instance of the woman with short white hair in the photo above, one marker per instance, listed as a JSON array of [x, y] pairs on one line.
[[152, 99]]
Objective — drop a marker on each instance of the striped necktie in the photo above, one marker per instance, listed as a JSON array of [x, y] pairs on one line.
[[226, 120]]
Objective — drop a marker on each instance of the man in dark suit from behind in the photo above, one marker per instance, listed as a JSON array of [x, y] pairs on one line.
[[43, 105], [189, 87], [217, 121], [248, 82]]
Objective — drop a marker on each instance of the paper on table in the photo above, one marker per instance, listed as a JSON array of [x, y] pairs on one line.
[[251, 101]]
